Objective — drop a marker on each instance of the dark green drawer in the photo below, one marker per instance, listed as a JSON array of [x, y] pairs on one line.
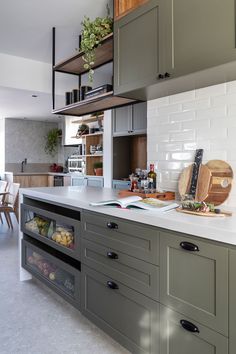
[[132, 238], [177, 336], [135, 273], [194, 279], [126, 315]]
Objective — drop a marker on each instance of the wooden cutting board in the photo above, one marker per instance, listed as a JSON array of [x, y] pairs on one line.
[[214, 182], [200, 213]]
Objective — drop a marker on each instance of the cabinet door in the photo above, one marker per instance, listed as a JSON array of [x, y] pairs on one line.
[[128, 316], [139, 118], [95, 182], [78, 181], [194, 279], [122, 120], [120, 184], [175, 339], [23, 180], [232, 302], [137, 49], [199, 34], [39, 181]]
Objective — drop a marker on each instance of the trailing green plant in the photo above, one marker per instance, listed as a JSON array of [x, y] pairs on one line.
[[92, 34], [51, 144]]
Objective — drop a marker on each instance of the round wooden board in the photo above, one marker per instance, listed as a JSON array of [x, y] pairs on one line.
[[199, 213]]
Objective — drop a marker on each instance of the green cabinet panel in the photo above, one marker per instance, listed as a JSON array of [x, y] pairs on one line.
[[95, 182], [78, 181], [195, 283], [137, 240], [137, 48], [133, 272], [174, 339], [198, 34], [117, 184], [128, 316], [139, 118]]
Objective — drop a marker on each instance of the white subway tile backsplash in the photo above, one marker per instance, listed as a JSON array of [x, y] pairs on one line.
[[197, 104], [166, 110], [216, 112], [180, 124]]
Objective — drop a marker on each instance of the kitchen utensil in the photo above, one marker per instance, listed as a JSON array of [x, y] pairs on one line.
[[195, 172], [200, 213]]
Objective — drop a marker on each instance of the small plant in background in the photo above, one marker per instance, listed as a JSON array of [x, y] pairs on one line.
[[92, 34], [52, 139]]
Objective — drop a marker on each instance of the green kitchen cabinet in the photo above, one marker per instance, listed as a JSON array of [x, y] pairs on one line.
[[198, 34], [181, 335], [128, 316], [194, 279], [137, 48], [130, 120], [232, 301]]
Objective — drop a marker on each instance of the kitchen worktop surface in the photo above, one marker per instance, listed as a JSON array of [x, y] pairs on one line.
[[222, 229], [41, 174]]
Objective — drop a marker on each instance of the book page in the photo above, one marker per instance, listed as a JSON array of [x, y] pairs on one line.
[[128, 200]]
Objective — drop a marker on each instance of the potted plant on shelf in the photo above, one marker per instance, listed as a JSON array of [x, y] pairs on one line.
[[92, 34], [82, 130], [52, 139], [98, 168]]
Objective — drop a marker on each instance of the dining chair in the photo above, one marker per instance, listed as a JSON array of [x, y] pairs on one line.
[[3, 190], [10, 203]]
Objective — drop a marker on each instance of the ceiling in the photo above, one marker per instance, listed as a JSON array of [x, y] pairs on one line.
[[26, 31]]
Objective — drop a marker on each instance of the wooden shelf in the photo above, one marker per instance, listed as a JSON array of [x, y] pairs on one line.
[[83, 136], [75, 64], [91, 119], [94, 104]]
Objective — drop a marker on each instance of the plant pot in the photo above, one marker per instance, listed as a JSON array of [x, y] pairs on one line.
[[98, 171]]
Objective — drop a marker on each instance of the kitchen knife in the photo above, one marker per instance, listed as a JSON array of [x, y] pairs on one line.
[[196, 167]]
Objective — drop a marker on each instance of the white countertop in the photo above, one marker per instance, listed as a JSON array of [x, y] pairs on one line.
[[217, 229]]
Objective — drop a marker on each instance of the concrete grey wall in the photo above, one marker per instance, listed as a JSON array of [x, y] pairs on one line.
[[26, 139]]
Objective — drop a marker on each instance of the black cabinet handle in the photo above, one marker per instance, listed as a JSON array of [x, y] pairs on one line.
[[112, 225], [167, 75], [112, 285], [160, 76], [188, 246], [189, 326], [112, 255]]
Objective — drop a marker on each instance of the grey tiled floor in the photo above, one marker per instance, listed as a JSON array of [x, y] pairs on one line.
[[34, 320]]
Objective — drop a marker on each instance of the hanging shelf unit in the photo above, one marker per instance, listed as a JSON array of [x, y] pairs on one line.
[[74, 66]]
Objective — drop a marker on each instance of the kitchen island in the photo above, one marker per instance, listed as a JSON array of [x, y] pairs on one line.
[[129, 271]]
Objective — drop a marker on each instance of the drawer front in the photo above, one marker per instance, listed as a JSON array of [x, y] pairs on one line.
[[131, 238], [55, 273], [135, 273], [129, 317], [57, 231], [177, 338], [195, 282]]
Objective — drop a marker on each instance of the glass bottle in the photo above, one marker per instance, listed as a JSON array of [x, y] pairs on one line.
[[152, 176]]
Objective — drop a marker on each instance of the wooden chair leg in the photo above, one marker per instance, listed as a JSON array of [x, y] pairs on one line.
[[10, 220], [1, 218], [6, 217]]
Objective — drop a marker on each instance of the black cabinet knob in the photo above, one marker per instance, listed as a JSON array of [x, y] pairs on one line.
[[112, 255], [160, 76], [188, 246], [112, 225], [112, 285], [167, 75], [189, 326]]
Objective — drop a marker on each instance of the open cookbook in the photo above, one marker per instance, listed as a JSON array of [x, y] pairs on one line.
[[138, 202]]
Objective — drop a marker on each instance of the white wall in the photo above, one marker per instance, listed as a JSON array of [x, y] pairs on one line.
[[179, 124], [2, 144]]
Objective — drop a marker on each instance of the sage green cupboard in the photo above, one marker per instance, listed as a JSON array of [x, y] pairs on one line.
[[198, 34], [194, 279], [176, 336], [137, 51], [128, 316], [232, 301]]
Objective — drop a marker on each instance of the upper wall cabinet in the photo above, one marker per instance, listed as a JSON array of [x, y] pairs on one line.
[[137, 49], [168, 39], [199, 34], [130, 120]]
